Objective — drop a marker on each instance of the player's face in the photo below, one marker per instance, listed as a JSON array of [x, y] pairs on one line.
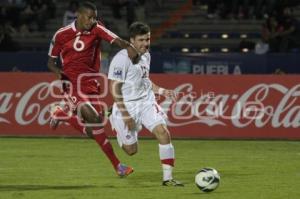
[[141, 42], [86, 19]]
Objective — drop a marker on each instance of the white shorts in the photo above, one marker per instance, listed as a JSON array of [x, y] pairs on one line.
[[149, 115]]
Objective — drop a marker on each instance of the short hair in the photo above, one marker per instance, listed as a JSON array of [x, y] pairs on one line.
[[87, 5], [138, 28]]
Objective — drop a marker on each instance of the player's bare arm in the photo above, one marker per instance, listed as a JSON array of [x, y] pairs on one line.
[[52, 65], [116, 91], [132, 51], [165, 92]]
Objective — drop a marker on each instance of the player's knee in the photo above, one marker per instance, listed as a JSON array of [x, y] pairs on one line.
[[130, 150], [90, 115], [161, 131], [162, 134], [95, 120]]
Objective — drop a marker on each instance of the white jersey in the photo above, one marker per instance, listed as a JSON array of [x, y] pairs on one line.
[[135, 77]]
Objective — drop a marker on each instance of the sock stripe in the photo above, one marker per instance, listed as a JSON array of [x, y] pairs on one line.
[[168, 161], [105, 142], [98, 131]]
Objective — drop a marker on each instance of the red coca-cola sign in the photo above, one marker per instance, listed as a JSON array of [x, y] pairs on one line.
[[254, 106], [244, 106]]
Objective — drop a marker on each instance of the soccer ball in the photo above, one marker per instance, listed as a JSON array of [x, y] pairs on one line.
[[207, 179]]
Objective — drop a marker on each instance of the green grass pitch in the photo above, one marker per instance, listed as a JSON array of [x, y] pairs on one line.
[[43, 168]]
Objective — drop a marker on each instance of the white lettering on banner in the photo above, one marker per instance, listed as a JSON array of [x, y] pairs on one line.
[[283, 106], [188, 100], [237, 70], [255, 106], [27, 109], [5, 98], [34, 110], [215, 68], [249, 108]]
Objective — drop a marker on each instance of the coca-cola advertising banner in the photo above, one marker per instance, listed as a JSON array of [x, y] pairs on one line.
[[216, 106]]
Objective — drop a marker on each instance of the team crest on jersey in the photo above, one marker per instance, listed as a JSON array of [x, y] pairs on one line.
[[128, 137], [117, 73]]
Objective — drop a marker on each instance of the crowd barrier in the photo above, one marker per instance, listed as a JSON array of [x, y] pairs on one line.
[[208, 106]]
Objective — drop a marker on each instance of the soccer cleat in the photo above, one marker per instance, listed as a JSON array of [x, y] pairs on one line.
[[124, 170], [173, 183], [54, 111]]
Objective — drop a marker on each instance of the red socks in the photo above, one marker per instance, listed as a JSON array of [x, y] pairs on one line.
[[104, 143], [98, 134]]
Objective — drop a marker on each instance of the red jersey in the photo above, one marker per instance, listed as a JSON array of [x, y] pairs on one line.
[[79, 51]]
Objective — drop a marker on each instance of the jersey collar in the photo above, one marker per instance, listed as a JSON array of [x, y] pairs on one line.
[[73, 26]]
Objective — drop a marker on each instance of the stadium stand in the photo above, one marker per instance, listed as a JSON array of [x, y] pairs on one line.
[[177, 26]]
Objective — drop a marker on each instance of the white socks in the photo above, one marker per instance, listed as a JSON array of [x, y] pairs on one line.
[[166, 154], [167, 172], [166, 151]]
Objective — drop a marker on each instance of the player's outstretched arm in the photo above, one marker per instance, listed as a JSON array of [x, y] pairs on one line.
[[52, 65], [132, 52]]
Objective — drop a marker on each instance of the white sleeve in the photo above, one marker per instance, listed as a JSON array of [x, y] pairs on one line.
[[149, 60], [118, 67]]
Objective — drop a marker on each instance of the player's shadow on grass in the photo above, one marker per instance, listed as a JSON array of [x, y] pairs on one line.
[[42, 187]]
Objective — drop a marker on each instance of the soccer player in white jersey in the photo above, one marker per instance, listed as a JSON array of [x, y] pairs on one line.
[[135, 103]]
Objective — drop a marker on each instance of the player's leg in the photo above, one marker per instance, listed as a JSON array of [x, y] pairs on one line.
[[153, 119], [67, 113], [166, 154], [92, 116], [127, 140], [130, 149], [95, 130], [59, 114]]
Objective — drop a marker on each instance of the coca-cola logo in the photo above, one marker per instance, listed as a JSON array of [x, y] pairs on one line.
[[255, 106], [28, 107]]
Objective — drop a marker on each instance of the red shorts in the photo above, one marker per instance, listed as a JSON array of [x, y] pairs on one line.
[[87, 94]]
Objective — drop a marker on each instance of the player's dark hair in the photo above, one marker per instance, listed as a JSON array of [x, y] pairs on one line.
[[138, 28], [87, 5]]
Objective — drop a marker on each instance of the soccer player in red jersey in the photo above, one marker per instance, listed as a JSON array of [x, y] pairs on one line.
[[78, 46]]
